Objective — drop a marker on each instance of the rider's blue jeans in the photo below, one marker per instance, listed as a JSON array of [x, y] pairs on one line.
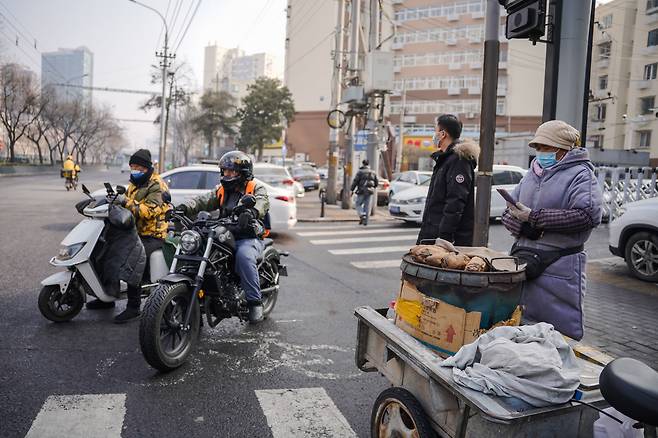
[[246, 253]]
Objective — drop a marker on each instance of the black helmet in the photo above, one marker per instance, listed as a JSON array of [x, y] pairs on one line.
[[238, 162]]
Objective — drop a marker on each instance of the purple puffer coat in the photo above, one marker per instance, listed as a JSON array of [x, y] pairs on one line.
[[557, 295]]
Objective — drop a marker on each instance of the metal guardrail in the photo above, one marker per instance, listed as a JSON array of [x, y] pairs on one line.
[[623, 185]]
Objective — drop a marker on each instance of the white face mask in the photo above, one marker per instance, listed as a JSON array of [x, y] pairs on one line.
[[436, 140]]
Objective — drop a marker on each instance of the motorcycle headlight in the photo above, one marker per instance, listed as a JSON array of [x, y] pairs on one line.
[[417, 200], [68, 252], [190, 241]]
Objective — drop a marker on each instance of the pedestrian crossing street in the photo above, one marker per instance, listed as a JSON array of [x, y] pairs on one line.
[[377, 246], [290, 413]]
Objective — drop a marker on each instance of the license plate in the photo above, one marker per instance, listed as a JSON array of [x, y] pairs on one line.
[[394, 209]]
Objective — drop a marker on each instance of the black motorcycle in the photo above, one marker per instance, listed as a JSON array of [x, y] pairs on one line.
[[201, 281]]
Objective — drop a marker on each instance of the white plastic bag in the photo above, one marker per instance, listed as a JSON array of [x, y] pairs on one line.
[[606, 427]]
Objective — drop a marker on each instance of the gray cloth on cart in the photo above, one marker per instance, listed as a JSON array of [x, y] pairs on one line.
[[533, 363]]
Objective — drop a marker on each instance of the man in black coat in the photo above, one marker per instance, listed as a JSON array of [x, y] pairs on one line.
[[450, 205]]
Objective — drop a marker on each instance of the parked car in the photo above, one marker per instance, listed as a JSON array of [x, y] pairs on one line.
[[406, 180], [191, 181], [307, 175], [278, 176], [634, 237], [125, 167], [408, 205], [383, 190]]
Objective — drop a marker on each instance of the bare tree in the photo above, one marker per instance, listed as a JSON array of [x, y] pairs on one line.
[[19, 103], [187, 134]]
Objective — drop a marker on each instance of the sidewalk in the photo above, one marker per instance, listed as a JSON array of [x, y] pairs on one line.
[[308, 210]]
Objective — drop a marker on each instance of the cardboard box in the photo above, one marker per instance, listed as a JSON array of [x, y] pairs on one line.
[[442, 326]]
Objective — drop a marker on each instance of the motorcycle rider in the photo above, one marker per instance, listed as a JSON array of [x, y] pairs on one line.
[[68, 168], [145, 198], [237, 180]]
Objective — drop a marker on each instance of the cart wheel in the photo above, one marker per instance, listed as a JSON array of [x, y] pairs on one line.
[[397, 413]]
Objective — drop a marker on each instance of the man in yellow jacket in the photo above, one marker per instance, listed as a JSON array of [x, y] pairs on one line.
[[68, 167], [145, 198]]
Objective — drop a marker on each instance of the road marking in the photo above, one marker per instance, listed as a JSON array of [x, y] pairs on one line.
[[328, 227], [409, 237], [351, 232], [373, 250], [303, 412], [606, 260], [72, 416], [377, 264]]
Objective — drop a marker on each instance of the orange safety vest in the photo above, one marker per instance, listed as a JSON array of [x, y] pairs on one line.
[[251, 188]]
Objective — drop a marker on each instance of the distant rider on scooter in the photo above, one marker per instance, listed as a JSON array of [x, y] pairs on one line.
[[236, 182], [145, 198]]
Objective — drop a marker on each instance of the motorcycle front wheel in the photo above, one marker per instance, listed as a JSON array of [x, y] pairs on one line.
[[57, 306], [164, 343]]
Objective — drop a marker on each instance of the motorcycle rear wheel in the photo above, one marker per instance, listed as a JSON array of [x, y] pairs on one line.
[[164, 344], [58, 307]]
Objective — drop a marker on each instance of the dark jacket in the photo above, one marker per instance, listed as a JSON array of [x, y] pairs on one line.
[[364, 180], [450, 204]]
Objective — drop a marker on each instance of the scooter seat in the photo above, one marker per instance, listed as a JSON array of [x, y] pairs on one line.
[[631, 387]]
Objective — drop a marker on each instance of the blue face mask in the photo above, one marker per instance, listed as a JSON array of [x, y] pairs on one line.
[[136, 174], [546, 159]]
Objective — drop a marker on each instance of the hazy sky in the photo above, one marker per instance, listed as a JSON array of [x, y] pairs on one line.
[[123, 37]]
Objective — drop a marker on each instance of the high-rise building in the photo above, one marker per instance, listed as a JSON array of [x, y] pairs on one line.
[[623, 110], [72, 67], [438, 57], [231, 70]]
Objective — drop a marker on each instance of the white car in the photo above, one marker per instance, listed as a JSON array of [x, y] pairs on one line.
[[407, 180], [634, 237], [191, 181], [409, 204], [278, 176]]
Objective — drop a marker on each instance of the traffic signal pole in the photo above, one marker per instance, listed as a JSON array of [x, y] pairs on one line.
[[487, 124]]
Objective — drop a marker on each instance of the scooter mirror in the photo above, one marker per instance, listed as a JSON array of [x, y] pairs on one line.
[[85, 190], [121, 190]]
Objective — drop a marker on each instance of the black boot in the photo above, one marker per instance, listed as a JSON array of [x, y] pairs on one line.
[[130, 314], [98, 304]]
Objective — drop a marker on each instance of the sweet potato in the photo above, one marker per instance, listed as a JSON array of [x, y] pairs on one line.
[[477, 264], [455, 261]]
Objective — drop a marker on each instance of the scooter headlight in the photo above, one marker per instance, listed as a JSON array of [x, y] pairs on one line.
[[68, 252], [190, 241]]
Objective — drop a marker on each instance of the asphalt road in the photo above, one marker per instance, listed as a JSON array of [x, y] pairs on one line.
[[230, 387]]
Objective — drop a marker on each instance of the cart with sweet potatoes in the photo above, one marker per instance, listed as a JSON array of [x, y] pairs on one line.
[[423, 399]]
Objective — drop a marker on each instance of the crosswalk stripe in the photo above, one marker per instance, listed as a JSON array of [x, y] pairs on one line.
[[351, 232], [409, 237], [73, 416], [303, 412], [377, 264], [373, 250], [328, 227]]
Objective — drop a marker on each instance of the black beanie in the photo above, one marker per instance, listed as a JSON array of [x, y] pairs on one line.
[[142, 158]]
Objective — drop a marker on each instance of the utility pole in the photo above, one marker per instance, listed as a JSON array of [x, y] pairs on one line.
[[487, 124], [373, 137], [337, 85], [354, 70], [398, 152]]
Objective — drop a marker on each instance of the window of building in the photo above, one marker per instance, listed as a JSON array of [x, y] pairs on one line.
[[603, 82], [604, 50], [645, 139], [597, 141], [605, 22], [652, 4], [647, 104], [600, 111], [652, 39], [650, 70]]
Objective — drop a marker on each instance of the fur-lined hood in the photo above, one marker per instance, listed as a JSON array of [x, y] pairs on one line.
[[467, 149]]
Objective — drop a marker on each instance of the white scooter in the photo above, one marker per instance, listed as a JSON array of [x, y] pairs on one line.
[[64, 294]]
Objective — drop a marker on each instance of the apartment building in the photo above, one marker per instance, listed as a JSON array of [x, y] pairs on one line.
[[623, 111], [69, 66], [438, 69]]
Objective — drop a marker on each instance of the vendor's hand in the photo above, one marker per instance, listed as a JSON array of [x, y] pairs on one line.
[[519, 211]]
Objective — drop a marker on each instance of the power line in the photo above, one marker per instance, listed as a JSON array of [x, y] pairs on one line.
[[180, 41], [305, 19], [177, 8], [109, 89], [163, 27], [187, 14], [258, 17], [308, 52]]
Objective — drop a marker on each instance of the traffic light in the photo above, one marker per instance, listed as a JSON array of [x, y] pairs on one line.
[[525, 19]]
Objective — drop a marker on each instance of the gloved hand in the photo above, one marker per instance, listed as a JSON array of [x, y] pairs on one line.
[[519, 211], [119, 200], [181, 209], [246, 217]]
